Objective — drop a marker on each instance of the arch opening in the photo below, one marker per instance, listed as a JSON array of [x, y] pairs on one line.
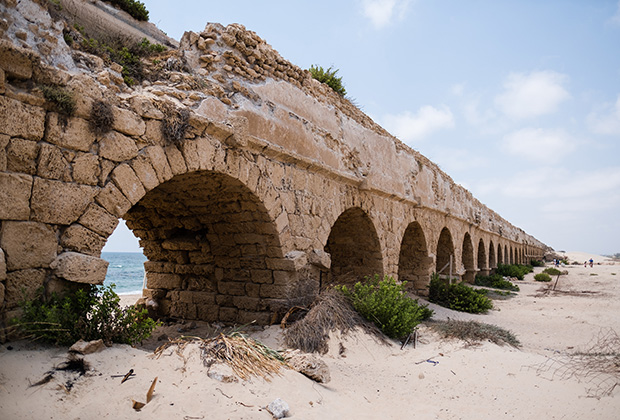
[[500, 256], [483, 266], [468, 259], [414, 263], [445, 254], [492, 257], [213, 251], [354, 248]]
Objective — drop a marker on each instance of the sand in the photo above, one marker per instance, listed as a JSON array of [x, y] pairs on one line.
[[369, 381]]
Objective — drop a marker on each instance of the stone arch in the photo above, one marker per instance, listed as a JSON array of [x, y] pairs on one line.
[[506, 257], [511, 259], [500, 255], [354, 247], [482, 265], [445, 251], [492, 256], [214, 252], [467, 257], [414, 263]]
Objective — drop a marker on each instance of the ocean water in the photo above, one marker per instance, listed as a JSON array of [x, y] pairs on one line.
[[126, 270]]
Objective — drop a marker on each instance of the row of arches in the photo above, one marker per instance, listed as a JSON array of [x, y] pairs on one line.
[[215, 251]]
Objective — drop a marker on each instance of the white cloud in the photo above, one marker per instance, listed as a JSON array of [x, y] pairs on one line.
[[606, 121], [534, 94], [538, 144], [381, 12], [413, 127]]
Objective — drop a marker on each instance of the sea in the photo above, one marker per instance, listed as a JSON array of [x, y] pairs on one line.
[[126, 271]]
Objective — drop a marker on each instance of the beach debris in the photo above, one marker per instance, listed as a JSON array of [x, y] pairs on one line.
[[137, 405], [246, 356], [48, 377], [87, 347], [278, 408], [127, 375], [74, 364], [222, 392], [309, 365], [330, 312]]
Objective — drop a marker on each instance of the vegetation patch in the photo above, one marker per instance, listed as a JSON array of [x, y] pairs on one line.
[[474, 332], [175, 124], [537, 263], [458, 297], [386, 304], [496, 281], [552, 271], [61, 99], [329, 78], [101, 117], [136, 9], [332, 311], [514, 270], [90, 313], [542, 277]]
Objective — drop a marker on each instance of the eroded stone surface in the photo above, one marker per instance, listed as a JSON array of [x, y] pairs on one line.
[[28, 244], [80, 268]]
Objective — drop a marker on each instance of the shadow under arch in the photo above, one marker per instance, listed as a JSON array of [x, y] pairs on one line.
[[468, 259], [354, 247], [492, 257], [214, 252], [445, 251], [414, 263], [500, 255], [482, 265]]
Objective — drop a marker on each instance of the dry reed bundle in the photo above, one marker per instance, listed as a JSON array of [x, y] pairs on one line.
[[246, 356], [331, 312]]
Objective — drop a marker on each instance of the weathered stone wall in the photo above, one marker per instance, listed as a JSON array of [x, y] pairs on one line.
[[276, 188]]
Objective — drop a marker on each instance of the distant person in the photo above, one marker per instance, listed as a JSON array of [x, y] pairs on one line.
[[585, 263], [591, 262]]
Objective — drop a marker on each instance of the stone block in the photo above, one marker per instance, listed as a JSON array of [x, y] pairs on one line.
[[59, 202], [128, 182], [246, 303], [145, 108], [15, 191], [209, 313], [4, 142], [16, 62], [117, 147], [259, 318], [145, 171], [2, 268], [159, 267], [86, 169], [232, 288], [274, 291], [127, 122], [320, 258], [52, 164], [2, 294], [198, 154], [2, 81], [22, 155], [160, 162], [99, 220], [203, 298], [113, 200], [70, 133], [163, 281], [154, 293], [28, 244], [22, 284], [80, 268], [261, 276], [78, 238], [228, 314], [282, 278], [181, 244], [154, 133], [282, 264], [175, 160]]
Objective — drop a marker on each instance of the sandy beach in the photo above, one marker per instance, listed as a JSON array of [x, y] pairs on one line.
[[438, 379]]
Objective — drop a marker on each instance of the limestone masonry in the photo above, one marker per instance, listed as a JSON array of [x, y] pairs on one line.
[[250, 185]]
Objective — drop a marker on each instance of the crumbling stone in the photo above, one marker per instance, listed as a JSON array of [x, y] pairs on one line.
[[80, 268], [38, 251]]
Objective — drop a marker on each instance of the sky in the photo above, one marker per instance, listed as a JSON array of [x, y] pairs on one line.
[[518, 101]]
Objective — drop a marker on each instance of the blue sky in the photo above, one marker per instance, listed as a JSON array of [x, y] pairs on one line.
[[518, 101]]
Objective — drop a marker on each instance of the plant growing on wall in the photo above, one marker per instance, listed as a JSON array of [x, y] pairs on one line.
[[329, 78]]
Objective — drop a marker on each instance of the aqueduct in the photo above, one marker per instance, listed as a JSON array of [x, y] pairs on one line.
[[249, 184]]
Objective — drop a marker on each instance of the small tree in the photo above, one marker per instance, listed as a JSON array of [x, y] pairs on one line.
[[329, 78]]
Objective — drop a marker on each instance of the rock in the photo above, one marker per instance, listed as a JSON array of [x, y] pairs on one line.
[[117, 147], [87, 347], [278, 408], [38, 251], [310, 365], [222, 372], [15, 191], [80, 268], [60, 202], [2, 269], [320, 258]]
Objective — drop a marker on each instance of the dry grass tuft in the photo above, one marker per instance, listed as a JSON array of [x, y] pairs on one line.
[[474, 332], [246, 356], [330, 312]]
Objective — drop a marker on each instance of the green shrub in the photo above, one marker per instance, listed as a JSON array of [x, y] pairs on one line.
[[329, 78], [495, 281], [387, 305], [552, 271], [537, 263], [542, 277], [459, 297], [62, 99], [514, 270], [90, 313], [136, 9]]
